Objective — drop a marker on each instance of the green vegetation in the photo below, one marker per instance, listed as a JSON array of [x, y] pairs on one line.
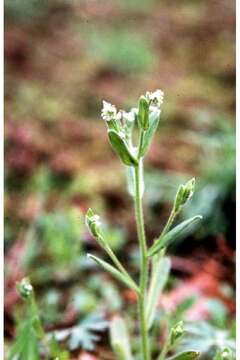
[[61, 59]]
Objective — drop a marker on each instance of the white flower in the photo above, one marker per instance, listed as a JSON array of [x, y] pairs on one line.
[[155, 98], [109, 111], [118, 116], [129, 116], [134, 110]]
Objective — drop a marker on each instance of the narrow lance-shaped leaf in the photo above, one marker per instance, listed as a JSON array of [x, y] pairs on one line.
[[114, 272], [149, 133], [121, 148], [159, 276], [172, 235], [120, 339], [186, 355]]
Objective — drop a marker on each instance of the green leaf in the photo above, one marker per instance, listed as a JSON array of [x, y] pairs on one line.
[[159, 276], [186, 355], [149, 133], [26, 344], [172, 235], [121, 148], [143, 113], [184, 306], [83, 335], [120, 339], [114, 272]]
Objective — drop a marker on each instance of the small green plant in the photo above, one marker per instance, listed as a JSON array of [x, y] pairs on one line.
[[120, 126], [31, 340]]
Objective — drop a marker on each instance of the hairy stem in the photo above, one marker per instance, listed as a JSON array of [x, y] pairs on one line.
[[143, 267]]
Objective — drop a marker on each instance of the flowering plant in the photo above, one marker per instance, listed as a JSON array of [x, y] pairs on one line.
[[120, 126], [33, 342]]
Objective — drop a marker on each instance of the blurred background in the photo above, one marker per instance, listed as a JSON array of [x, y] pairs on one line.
[[62, 58]]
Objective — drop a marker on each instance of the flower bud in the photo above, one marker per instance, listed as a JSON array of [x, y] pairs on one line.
[[184, 194], [25, 288], [176, 332], [225, 354], [93, 223], [143, 113]]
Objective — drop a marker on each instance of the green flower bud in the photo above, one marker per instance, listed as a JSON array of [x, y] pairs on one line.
[[176, 332], [225, 354], [143, 113], [184, 194], [93, 223], [25, 288]]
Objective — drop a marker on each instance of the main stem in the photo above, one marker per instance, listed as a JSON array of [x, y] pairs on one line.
[[143, 266]]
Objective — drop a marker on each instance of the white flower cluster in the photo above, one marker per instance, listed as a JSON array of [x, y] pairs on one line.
[[109, 111], [129, 116], [155, 98]]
